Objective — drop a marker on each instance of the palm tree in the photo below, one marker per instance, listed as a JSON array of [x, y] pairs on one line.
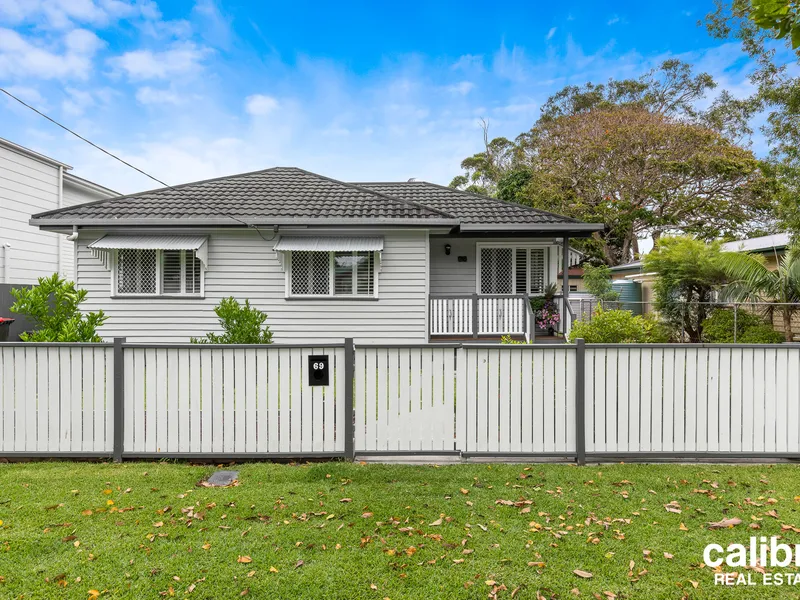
[[752, 281]]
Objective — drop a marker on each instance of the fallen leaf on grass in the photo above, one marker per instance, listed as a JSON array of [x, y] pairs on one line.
[[244, 559], [273, 570], [725, 523], [584, 574], [435, 523], [673, 507]]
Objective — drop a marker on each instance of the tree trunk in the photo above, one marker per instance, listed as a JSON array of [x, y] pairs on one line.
[[787, 323]]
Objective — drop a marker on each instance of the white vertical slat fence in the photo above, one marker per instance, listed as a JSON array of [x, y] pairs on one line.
[[518, 399], [693, 399], [56, 398], [231, 400], [405, 398]]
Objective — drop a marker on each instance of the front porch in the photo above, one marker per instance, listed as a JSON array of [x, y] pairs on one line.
[[481, 288], [490, 317]]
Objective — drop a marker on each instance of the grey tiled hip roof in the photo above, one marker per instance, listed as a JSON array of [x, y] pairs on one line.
[[283, 195]]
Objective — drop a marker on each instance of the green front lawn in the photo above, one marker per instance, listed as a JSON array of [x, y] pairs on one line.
[[338, 530]]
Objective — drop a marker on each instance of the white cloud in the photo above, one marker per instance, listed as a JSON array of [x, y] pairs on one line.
[[259, 105], [63, 14], [149, 95], [551, 33], [21, 58], [462, 88], [613, 20], [182, 59]]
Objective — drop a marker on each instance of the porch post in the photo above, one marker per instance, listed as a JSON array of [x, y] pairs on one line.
[[565, 283], [475, 315]]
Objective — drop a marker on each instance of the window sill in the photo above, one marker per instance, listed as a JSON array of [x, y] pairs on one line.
[[156, 297], [331, 298]]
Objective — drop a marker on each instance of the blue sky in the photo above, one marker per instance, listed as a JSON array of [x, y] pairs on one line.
[[358, 91]]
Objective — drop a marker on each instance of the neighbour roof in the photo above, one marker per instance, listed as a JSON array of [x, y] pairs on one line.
[[288, 195], [777, 241], [470, 208]]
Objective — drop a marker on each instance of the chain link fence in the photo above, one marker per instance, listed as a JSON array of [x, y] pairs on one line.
[[741, 314]]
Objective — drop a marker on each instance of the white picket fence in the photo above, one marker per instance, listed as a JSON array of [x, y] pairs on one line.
[[474, 399], [56, 399], [693, 399], [218, 400], [570, 401]]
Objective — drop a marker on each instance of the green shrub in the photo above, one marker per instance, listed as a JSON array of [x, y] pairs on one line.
[[619, 327], [761, 334], [241, 323], [52, 306], [507, 339], [597, 280], [750, 328]]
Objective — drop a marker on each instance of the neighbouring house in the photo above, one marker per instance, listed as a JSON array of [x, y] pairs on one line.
[[401, 262], [637, 285], [29, 183]]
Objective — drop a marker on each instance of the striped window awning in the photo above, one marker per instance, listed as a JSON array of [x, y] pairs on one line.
[[290, 243], [101, 247]]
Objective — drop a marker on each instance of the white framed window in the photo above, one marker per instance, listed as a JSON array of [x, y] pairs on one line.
[[315, 273], [149, 272], [511, 269]]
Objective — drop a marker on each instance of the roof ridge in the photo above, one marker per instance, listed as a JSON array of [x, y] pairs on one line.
[[377, 193], [492, 198]]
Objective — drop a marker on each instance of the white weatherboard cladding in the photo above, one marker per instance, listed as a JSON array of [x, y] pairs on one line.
[[243, 265], [29, 186], [329, 243], [448, 276]]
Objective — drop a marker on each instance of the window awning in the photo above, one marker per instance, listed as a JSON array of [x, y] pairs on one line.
[[151, 242], [329, 243]]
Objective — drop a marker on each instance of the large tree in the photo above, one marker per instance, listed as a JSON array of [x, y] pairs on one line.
[[644, 173], [777, 87], [637, 155]]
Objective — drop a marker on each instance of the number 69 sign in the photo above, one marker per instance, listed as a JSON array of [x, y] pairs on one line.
[[318, 372]]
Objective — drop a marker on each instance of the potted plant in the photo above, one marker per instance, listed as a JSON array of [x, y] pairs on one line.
[[545, 309]]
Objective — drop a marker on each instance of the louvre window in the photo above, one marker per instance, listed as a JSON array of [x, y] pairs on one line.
[[316, 273], [512, 270], [158, 272]]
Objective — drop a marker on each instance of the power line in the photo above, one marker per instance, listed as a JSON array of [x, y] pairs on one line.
[[114, 156]]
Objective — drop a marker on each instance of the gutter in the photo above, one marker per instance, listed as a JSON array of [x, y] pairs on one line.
[[6, 263], [565, 227]]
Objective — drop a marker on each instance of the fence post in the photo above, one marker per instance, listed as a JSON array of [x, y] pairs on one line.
[[475, 315], [349, 377], [119, 399], [580, 401]]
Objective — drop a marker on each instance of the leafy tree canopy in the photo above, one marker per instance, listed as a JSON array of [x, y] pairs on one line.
[[687, 272], [637, 155]]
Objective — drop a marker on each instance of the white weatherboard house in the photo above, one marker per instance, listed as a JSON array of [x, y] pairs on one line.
[[380, 262], [29, 183]]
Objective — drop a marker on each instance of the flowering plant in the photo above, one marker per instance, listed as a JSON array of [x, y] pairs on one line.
[[548, 316]]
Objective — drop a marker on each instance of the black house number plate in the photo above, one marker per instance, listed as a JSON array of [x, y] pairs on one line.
[[318, 372]]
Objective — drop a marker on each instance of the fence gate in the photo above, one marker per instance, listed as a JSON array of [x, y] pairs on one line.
[[475, 399]]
